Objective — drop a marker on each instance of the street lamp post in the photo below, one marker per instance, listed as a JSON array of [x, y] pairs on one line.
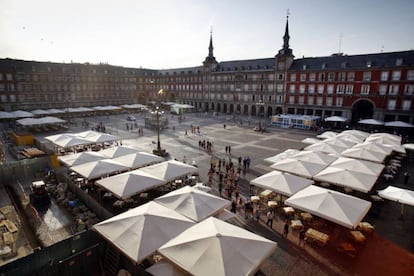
[[157, 112], [259, 105]]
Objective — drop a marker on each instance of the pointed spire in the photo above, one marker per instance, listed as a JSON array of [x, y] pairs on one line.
[[286, 37], [210, 59]]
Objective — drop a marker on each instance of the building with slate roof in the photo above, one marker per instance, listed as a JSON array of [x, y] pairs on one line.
[[378, 86]]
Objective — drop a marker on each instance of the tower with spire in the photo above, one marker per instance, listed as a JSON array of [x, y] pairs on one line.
[[210, 60], [286, 51]]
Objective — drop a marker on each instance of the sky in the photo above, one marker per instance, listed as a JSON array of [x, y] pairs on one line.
[[163, 34]]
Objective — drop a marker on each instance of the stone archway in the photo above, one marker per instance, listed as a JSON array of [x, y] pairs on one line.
[[218, 107], [238, 109], [245, 109], [279, 110], [362, 109], [253, 111], [231, 108], [269, 111], [224, 108]]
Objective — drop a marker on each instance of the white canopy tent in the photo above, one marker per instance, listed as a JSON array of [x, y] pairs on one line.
[[335, 119], [67, 140], [6, 115], [80, 158], [119, 151], [164, 268], [372, 146], [326, 148], [310, 141], [357, 133], [371, 122], [280, 156], [170, 170], [315, 157], [214, 247], [403, 196], [358, 165], [282, 183], [340, 141], [339, 208], [96, 169], [384, 138], [131, 183], [327, 134], [193, 203], [298, 167], [21, 114], [350, 137], [364, 154], [355, 180], [138, 160], [40, 121], [139, 232], [398, 124]]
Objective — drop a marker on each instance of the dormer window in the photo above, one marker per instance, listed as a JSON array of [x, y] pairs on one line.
[[369, 63], [398, 62], [304, 67], [323, 65], [343, 64]]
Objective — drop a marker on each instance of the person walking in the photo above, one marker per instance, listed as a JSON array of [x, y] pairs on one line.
[[406, 177], [269, 216], [258, 213], [286, 229]]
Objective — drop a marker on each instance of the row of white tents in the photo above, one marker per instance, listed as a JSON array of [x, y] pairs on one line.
[[182, 226], [352, 159], [372, 122]]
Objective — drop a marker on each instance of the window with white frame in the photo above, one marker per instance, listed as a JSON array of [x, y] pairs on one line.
[[396, 75], [320, 88], [410, 75], [293, 77], [292, 88], [311, 88], [331, 76], [330, 89], [365, 89], [319, 101], [246, 87], [340, 89], [11, 87], [351, 76], [291, 99], [302, 89], [279, 87], [384, 75], [329, 101], [409, 89], [2, 87], [9, 77], [3, 98], [1, 76], [339, 101], [280, 77], [310, 100], [366, 76], [301, 100], [406, 105], [322, 77], [271, 77], [302, 77], [270, 87], [393, 89], [349, 89], [391, 104], [312, 76], [383, 89], [341, 76]]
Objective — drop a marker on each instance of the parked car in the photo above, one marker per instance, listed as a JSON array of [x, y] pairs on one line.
[[131, 118]]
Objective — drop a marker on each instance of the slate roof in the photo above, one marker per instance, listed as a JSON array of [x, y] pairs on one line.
[[337, 62]]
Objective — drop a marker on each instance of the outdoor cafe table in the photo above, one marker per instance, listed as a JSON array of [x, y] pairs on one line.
[[319, 238], [288, 210], [365, 227], [255, 199], [296, 224], [272, 204], [265, 193], [306, 217]]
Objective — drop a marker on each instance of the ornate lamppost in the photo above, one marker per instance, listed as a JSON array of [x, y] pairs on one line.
[[157, 112], [259, 105]]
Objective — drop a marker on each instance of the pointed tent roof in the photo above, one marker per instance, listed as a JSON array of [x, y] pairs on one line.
[[298, 167], [193, 203], [115, 152], [280, 156], [398, 124], [139, 232], [364, 154], [327, 134], [280, 182], [96, 169], [340, 208], [215, 247], [315, 157], [400, 195], [358, 165], [326, 148], [138, 160], [80, 158], [131, 183], [170, 170]]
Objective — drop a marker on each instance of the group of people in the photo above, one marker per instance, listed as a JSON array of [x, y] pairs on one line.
[[205, 144]]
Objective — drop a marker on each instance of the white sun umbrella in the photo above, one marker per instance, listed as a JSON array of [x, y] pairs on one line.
[[96, 137], [119, 151], [21, 114], [355, 180], [139, 232], [364, 154], [358, 165], [326, 148], [282, 183], [164, 268], [225, 215], [80, 158], [298, 167], [131, 183], [193, 203], [340, 142], [71, 141], [372, 146], [310, 141], [280, 156], [358, 133], [384, 138], [337, 207], [96, 169], [403, 196], [335, 119], [214, 247], [170, 170], [327, 134], [202, 187], [371, 122], [6, 115], [350, 137], [315, 157], [408, 146], [139, 159], [398, 124]]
